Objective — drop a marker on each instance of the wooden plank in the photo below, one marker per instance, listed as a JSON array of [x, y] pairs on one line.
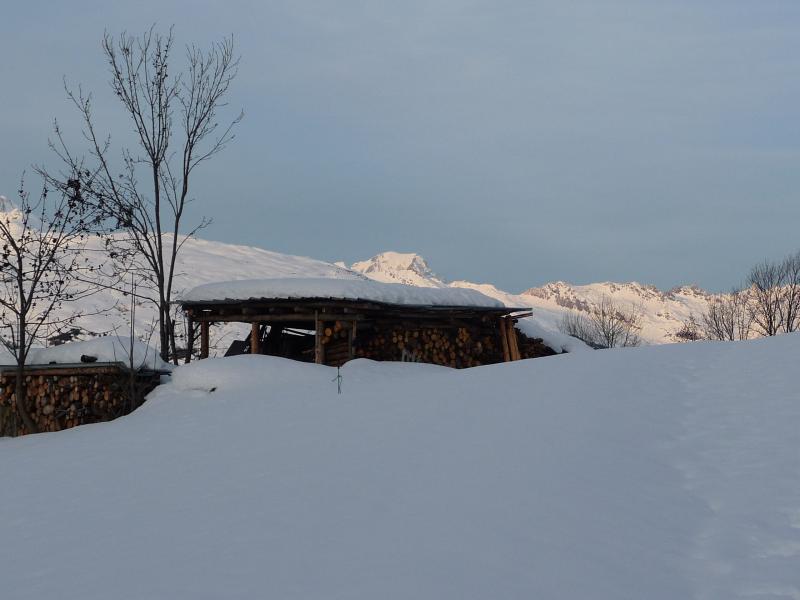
[[522, 315], [513, 346], [504, 340], [68, 371], [275, 318], [204, 327], [255, 342], [189, 338]]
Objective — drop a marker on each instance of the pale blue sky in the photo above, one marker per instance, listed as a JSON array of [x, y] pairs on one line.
[[510, 142]]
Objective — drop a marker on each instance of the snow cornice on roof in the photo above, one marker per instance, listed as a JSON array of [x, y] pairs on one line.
[[310, 290]]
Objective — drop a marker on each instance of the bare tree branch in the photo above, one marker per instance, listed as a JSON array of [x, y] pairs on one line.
[[176, 126]]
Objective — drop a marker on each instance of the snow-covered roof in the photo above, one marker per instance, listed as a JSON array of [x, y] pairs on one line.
[[337, 289], [107, 349]]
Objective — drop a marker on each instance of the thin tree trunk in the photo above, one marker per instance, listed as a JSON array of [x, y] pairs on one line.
[[22, 402], [21, 390], [172, 344]]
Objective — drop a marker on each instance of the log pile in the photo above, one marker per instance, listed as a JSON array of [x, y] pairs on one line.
[[457, 347], [457, 343], [336, 343], [532, 347], [62, 398]]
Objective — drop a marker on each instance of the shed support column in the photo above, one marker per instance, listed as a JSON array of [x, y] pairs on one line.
[[204, 325], [255, 345], [513, 346], [189, 339], [319, 356], [504, 340]]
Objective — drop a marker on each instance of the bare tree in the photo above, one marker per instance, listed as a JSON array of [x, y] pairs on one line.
[[789, 306], [729, 317], [43, 268], [615, 326], [134, 389], [578, 326], [766, 297], [176, 122], [689, 331], [606, 325]]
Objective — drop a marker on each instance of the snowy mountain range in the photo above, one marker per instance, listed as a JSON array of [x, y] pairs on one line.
[[203, 261], [663, 312]]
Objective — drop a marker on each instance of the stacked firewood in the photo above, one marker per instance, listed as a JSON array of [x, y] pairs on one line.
[[60, 401], [454, 347], [532, 347], [459, 347], [335, 342]]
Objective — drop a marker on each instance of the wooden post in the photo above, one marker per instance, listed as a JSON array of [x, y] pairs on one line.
[[513, 345], [255, 345], [504, 340], [204, 325], [189, 339], [318, 348]]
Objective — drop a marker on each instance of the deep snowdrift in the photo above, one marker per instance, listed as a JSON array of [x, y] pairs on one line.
[[660, 473]]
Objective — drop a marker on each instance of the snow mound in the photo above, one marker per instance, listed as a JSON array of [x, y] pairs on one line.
[[103, 349], [338, 289], [659, 473], [559, 342]]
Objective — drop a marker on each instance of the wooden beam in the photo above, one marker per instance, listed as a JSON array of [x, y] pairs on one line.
[[189, 338], [266, 318], [521, 315], [504, 340], [204, 327], [319, 349], [513, 346], [255, 342], [67, 370]]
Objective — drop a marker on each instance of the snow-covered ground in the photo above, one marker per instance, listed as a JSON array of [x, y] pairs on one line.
[[660, 473]]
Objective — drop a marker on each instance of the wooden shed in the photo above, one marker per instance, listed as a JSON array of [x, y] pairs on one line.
[[330, 321]]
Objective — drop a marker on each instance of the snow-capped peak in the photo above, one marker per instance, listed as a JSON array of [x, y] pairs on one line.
[[10, 212], [7, 206], [399, 267]]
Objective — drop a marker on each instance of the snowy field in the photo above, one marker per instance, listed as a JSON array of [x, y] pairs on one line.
[[665, 472]]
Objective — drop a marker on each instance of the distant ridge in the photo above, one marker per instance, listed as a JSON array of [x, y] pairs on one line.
[[663, 311]]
